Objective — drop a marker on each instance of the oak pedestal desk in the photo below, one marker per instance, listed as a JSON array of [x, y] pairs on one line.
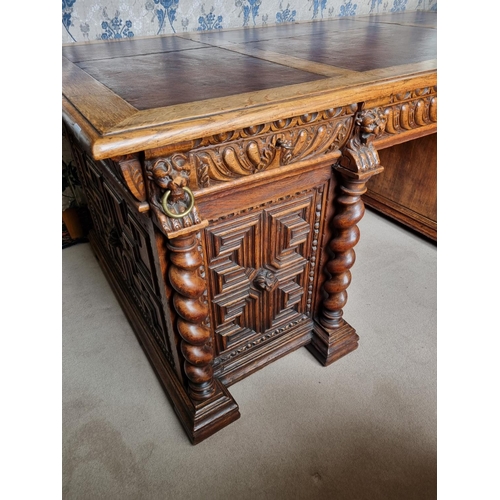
[[224, 173]]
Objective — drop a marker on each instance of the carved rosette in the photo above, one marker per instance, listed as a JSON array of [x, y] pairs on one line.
[[358, 163], [265, 280]]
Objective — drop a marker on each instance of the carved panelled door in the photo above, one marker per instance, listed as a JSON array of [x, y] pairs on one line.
[[261, 267]]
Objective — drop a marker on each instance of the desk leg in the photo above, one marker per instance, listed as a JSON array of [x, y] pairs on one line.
[[212, 405], [333, 337], [202, 403]]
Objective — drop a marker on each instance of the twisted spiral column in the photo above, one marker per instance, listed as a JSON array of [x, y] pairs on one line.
[[350, 210], [189, 285], [359, 162]]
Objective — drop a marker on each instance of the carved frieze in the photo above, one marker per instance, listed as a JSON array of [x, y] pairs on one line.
[[410, 110], [230, 155]]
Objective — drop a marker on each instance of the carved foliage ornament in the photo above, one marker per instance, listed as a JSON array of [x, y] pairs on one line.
[[227, 156], [130, 169], [242, 158]]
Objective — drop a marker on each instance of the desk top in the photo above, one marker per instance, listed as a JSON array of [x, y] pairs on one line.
[[125, 96]]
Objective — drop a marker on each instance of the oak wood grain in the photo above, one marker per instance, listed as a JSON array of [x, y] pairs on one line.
[[151, 92], [408, 189], [162, 126], [92, 98], [225, 175]]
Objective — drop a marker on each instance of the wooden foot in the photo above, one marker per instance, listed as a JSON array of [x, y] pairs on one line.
[[212, 414], [329, 345]]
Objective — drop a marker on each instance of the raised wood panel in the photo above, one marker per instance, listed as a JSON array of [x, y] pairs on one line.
[[233, 254], [262, 269]]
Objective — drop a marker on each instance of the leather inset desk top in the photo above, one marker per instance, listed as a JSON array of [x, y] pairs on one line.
[[129, 95]]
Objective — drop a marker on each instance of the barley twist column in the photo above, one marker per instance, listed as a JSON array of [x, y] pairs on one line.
[[333, 337], [202, 402], [350, 210], [189, 285]]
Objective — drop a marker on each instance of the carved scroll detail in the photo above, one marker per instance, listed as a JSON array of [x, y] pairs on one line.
[[307, 119], [131, 172], [227, 156], [237, 159], [234, 160]]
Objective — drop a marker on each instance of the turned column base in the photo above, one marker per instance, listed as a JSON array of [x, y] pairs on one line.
[[328, 345], [209, 416]]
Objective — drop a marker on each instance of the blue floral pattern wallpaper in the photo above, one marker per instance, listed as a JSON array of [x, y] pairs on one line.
[[86, 20]]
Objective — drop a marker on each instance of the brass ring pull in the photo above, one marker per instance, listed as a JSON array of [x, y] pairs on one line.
[[164, 200]]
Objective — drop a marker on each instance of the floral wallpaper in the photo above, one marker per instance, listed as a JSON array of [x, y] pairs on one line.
[[84, 20]]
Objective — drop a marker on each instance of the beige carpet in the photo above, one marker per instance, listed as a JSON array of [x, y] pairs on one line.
[[362, 428]]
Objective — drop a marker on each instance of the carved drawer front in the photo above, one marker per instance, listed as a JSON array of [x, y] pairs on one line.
[[261, 270]]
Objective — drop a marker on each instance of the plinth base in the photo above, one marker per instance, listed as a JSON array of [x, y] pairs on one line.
[[329, 345]]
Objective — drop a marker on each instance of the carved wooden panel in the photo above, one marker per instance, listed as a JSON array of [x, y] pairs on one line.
[[128, 239], [261, 264], [239, 153], [408, 110]]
